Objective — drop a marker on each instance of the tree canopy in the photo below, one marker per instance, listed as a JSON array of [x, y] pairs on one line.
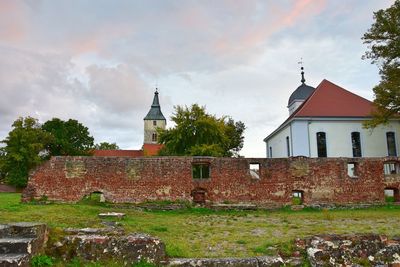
[[106, 146], [200, 134], [25, 148], [383, 40], [71, 138]]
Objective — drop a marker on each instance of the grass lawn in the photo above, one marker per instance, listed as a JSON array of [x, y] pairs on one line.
[[201, 232]]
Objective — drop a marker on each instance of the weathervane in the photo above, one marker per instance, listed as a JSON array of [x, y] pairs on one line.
[[302, 70], [301, 62]]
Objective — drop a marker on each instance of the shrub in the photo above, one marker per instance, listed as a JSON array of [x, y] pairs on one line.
[[143, 263], [41, 261]]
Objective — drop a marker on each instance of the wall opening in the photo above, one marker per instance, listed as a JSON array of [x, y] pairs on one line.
[[391, 168], [392, 195], [352, 169], [201, 170], [254, 169], [199, 196], [297, 197]]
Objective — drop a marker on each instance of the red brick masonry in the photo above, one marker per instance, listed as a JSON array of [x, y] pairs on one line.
[[134, 180]]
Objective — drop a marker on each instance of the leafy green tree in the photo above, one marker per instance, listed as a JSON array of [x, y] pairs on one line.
[[71, 138], [384, 50], [106, 146], [25, 148], [200, 134], [2, 161]]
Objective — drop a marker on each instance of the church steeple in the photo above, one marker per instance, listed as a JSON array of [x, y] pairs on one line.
[[153, 120], [155, 110], [300, 94]]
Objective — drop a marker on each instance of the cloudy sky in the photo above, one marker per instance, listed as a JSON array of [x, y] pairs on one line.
[[98, 61]]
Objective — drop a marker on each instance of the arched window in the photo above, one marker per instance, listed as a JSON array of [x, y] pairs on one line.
[[356, 144], [391, 144], [321, 144], [288, 146], [154, 137]]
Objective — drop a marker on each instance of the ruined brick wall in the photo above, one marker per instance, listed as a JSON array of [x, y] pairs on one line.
[[123, 179]]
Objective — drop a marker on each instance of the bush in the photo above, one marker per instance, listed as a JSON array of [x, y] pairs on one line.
[[389, 199], [297, 201], [143, 263], [41, 261]]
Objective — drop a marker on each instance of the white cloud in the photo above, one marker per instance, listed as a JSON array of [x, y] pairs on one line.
[[98, 61]]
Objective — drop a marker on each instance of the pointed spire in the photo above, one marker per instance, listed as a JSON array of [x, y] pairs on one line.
[[156, 102], [155, 110]]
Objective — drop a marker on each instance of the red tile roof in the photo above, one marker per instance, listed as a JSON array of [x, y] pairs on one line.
[[118, 153], [151, 149], [330, 100]]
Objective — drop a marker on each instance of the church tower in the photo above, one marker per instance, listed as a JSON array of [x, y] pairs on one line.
[[300, 94], [153, 120]]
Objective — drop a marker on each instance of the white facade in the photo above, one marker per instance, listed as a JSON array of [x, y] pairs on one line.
[[294, 105], [300, 134]]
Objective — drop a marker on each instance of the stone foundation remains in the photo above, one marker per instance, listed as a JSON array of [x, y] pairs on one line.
[[261, 181]]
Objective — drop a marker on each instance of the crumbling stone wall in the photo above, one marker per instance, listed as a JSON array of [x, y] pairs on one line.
[[135, 180]]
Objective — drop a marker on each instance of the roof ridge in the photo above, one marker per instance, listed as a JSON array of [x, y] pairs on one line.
[[346, 90]]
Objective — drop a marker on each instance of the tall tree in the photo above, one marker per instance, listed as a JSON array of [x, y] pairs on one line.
[[201, 134], [71, 138], [25, 148], [384, 50], [2, 162], [106, 146]]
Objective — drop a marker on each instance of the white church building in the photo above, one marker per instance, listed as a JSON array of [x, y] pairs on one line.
[[327, 121]]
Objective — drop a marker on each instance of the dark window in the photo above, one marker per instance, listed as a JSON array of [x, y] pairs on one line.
[[356, 144], [154, 123], [321, 144], [270, 151], [201, 171], [288, 146], [391, 144], [154, 137]]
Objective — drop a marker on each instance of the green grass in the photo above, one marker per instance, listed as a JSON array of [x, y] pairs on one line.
[[200, 232]]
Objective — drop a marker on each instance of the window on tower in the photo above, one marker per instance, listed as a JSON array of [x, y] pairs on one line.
[[154, 137], [154, 123]]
